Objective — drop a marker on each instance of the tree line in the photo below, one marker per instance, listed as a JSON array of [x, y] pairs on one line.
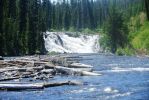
[[23, 22], [21, 29], [81, 14]]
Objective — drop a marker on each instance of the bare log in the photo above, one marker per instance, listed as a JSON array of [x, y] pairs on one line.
[[21, 62], [28, 86], [85, 69], [62, 83], [21, 69], [72, 71], [18, 77], [79, 65], [10, 78], [10, 86]]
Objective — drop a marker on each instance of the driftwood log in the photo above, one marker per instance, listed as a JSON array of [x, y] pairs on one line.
[[73, 71], [28, 86], [21, 69], [35, 68], [79, 65]]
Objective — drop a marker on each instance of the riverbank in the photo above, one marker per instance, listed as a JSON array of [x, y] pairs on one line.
[[118, 81], [32, 69]]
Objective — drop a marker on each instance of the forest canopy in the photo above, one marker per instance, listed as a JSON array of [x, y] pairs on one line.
[[23, 22]]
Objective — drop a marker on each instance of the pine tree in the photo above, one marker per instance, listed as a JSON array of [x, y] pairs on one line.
[[66, 16], [147, 8], [40, 40], [1, 27], [33, 27], [12, 9], [117, 30], [22, 37], [22, 22], [46, 14]]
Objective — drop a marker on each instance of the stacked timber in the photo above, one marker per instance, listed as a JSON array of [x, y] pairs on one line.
[[43, 69]]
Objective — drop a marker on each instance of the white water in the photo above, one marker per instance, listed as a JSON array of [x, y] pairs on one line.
[[118, 70], [66, 43]]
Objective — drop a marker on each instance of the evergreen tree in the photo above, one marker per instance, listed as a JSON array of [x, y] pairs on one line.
[[117, 30], [1, 27], [23, 22], [22, 38], [147, 8], [33, 27], [66, 16], [12, 9], [46, 14]]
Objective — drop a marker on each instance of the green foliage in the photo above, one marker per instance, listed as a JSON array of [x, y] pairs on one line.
[[141, 40], [136, 22], [72, 29], [52, 53], [105, 42], [88, 31], [22, 22], [125, 51], [116, 31], [83, 14], [20, 31]]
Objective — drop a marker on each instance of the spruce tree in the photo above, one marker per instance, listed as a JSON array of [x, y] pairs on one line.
[[22, 37], [117, 30], [147, 8], [1, 27]]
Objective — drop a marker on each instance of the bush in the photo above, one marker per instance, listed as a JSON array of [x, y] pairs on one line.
[[87, 31], [141, 40], [125, 51], [52, 53]]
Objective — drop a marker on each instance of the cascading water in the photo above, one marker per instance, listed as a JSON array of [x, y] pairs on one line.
[[71, 42]]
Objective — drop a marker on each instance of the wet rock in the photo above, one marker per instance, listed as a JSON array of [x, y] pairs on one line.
[[1, 58]]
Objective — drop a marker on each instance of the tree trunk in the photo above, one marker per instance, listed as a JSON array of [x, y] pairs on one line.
[[32, 86]]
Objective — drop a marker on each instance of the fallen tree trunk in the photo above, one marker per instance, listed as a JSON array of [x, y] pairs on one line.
[[21, 69], [14, 87], [72, 71], [10, 78], [62, 83], [79, 65], [19, 77], [85, 69], [32, 86]]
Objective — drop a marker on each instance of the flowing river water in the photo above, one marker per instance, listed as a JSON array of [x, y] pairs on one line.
[[123, 78]]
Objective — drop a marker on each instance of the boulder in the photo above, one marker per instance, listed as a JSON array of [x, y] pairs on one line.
[[1, 58]]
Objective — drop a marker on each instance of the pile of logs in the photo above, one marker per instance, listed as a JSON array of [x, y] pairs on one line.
[[40, 68]]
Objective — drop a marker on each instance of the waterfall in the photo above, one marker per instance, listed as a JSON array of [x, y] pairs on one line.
[[71, 42]]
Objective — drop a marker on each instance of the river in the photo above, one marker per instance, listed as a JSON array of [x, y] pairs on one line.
[[123, 78]]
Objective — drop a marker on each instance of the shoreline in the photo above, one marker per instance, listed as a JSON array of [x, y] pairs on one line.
[[41, 68]]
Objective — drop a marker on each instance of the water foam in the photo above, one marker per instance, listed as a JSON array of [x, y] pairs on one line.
[[84, 90], [119, 95], [138, 69], [65, 43], [110, 90], [118, 69]]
